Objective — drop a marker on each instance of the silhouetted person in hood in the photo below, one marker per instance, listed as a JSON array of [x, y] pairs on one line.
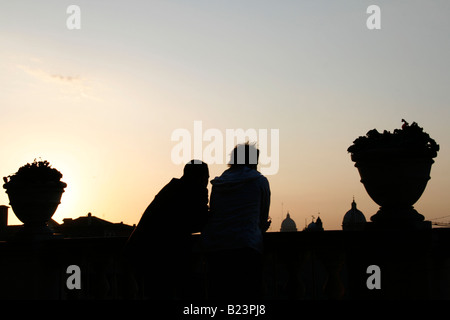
[[160, 245], [233, 235]]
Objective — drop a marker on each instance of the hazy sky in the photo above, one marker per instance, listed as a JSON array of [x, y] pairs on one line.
[[101, 103]]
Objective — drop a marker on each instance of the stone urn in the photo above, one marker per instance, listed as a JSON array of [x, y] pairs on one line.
[[34, 194], [395, 169]]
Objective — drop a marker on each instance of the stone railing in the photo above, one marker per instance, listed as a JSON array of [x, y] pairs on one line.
[[297, 265]]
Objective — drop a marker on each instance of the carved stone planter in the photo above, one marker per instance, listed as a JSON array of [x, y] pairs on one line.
[[34, 193], [395, 179], [35, 205], [395, 169]]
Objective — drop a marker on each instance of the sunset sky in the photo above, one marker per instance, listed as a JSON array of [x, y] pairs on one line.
[[101, 103]]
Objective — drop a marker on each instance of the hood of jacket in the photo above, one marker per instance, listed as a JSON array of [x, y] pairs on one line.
[[234, 178]]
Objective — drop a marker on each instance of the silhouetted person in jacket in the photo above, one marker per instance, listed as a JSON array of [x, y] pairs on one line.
[[233, 235], [160, 245]]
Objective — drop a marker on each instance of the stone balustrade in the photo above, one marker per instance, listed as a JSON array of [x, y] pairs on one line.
[[297, 265]]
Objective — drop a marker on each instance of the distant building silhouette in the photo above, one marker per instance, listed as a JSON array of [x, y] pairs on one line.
[[82, 227], [91, 226], [288, 225], [315, 226], [353, 219]]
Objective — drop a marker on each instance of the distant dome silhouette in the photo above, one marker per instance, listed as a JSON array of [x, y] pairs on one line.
[[315, 226], [353, 219], [288, 225]]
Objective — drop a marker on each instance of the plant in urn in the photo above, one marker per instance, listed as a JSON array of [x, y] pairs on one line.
[[34, 193], [395, 169]]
